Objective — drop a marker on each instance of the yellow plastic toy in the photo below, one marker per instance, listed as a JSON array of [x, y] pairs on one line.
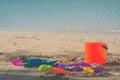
[[87, 69], [45, 67]]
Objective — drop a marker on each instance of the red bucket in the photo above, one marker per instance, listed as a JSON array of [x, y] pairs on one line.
[[95, 52]]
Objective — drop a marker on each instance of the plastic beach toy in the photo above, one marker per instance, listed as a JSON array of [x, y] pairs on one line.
[[65, 68], [16, 62], [85, 64], [82, 64], [77, 68], [59, 70], [95, 52], [97, 70], [62, 65], [38, 62], [75, 64], [27, 65], [45, 67], [87, 69]]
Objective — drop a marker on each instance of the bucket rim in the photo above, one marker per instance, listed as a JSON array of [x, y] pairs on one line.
[[96, 43]]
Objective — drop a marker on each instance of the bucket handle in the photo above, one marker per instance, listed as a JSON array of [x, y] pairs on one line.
[[105, 47]]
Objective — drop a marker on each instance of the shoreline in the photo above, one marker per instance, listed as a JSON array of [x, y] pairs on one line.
[[66, 32]]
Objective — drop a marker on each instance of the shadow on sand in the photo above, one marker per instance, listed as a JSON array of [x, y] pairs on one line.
[[55, 77], [19, 76], [16, 77]]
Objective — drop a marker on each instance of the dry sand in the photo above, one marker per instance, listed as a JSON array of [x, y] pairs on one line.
[[65, 47]]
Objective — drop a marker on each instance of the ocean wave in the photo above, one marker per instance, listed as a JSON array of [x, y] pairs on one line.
[[114, 30]]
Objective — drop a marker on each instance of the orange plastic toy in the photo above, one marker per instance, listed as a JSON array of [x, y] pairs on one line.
[[95, 52], [58, 70]]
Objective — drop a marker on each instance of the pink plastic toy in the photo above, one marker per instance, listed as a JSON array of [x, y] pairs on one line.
[[16, 62]]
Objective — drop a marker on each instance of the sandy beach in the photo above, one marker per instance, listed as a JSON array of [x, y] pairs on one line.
[[65, 47]]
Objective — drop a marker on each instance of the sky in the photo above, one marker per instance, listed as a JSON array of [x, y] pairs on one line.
[[59, 15]]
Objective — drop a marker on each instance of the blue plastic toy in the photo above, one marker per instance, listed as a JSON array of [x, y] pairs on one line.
[[38, 62]]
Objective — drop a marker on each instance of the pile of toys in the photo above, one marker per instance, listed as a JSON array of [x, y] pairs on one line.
[[44, 65]]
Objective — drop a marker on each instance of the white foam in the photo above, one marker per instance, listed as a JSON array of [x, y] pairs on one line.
[[113, 30]]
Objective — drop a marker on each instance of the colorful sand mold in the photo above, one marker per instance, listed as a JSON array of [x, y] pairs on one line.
[[16, 62], [87, 69], [75, 64], [54, 69], [32, 62], [91, 49], [44, 65], [38, 63], [80, 67], [59, 70]]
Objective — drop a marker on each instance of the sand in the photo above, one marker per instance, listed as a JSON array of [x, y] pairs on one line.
[[65, 47]]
